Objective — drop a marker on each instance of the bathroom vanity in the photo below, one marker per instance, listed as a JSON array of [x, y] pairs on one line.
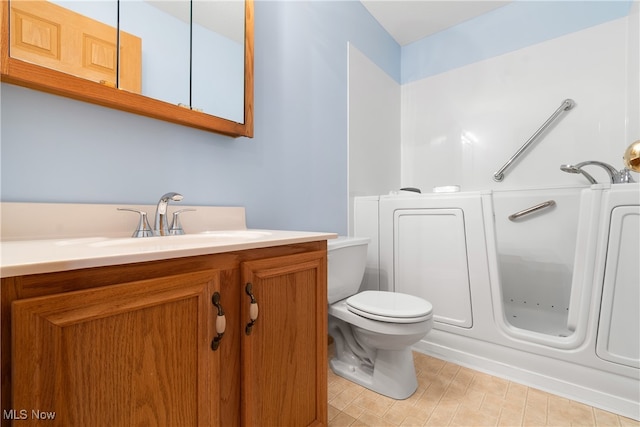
[[166, 338]]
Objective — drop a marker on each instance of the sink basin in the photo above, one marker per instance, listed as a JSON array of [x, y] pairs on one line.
[[233, 234], [205, 237]]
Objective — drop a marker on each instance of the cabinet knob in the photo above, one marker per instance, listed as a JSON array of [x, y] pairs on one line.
[[253, 309], [221, 321]]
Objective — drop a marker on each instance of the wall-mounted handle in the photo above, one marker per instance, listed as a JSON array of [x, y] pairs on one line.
[[566, 105], [253, 309], [532, 209], [143, 229], [221, 321]]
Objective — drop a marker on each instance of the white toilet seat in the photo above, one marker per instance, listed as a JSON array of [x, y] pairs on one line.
[[390, 307]]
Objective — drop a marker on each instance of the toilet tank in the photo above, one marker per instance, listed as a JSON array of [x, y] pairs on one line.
[[346, 261]]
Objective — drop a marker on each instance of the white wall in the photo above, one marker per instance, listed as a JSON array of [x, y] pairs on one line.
[[374, 130], [460, 126]]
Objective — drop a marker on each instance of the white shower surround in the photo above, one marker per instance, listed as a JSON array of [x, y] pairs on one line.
[[460, 126]]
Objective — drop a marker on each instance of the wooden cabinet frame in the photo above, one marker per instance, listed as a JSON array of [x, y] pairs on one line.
[[40, 78]]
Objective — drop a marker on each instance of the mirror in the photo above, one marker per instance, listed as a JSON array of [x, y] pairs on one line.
[[217, 81], [166, 47], [196, 72]]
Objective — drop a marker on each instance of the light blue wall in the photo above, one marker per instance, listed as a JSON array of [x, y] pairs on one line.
[[517, 25], [291, 175]]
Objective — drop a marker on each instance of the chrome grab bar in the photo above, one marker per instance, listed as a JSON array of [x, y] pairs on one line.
[[566, 105], [532, 209]]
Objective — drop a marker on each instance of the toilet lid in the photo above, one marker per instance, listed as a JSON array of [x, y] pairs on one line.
[[390, 307]]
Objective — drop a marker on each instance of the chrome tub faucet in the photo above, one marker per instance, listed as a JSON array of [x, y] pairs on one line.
[[615, 176]]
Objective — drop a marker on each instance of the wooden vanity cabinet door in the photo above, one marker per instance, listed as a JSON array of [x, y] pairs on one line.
[[123, 355], [284, 358]]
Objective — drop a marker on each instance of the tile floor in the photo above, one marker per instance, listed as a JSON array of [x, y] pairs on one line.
[[451, 395]]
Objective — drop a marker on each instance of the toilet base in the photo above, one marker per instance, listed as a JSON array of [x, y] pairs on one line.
[[393, 374]]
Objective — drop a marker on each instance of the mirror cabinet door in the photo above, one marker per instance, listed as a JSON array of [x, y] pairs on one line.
[[217, 84], [195, 57], [164, 28]]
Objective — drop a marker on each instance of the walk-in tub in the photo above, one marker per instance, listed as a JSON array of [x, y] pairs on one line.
[[541, 247], [540, 286]]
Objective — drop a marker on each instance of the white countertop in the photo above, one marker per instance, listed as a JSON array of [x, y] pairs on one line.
[[24, 257], [49, 237]]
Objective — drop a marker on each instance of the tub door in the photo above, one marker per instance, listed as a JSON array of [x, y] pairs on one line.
[[618, 331], [430, 261]]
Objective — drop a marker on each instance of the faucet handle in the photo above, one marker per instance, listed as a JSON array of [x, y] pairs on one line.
[[144, 229], [625, 176], [176, 226]]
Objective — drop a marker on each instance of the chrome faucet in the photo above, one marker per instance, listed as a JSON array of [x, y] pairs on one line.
[[161, 226], [617, 177]]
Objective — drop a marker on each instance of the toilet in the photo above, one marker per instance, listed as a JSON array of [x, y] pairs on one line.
[[373, 331]]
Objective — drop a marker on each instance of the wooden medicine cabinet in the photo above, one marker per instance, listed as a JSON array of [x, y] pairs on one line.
[[177, 61]]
